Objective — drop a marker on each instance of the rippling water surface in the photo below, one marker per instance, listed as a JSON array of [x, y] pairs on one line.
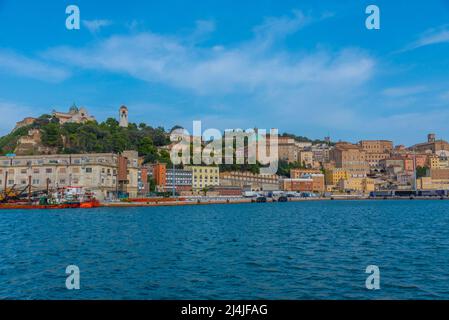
[[307, 250]]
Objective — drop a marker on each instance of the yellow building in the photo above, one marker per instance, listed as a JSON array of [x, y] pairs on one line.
[[364, 185], [436, 162], [204, 177], [334, 176], [427, 183]]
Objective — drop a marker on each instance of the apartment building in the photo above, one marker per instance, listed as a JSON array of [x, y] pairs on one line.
[[350, 157], [306, 158], [335, 175], [204, 177], [182, 180]]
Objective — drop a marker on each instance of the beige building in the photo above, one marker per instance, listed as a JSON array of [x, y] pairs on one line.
[[306, 158], [376, 146], [249, 180], [428, 183], [204, 177], [364, 185], [25, 122], [436, 162], [289, 150], [439, 147], [102, 173], [74, 115], [350, 157]]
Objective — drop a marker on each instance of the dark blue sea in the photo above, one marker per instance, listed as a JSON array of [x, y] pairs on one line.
[[302, 250]]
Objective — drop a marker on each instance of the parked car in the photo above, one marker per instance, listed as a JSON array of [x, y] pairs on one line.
[[261, 199]]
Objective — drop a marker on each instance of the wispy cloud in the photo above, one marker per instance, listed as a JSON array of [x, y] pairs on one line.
[[430, 37], [275, 28], [94, 26], [243, 67], [16, 64], [398, 92]]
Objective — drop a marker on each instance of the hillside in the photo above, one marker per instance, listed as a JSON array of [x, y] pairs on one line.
[[87, 137]]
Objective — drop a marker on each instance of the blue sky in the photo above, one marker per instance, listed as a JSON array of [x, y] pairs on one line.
[[306, 67]]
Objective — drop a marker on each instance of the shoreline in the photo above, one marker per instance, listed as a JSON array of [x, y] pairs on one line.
[[227, 201], [245, 201]]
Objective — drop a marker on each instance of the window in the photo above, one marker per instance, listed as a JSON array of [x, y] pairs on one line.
[[36, 181], [10, 182], [62, 181], [88, 170], [23, 182], [23, 171], [76, 170], [36, 171], [62, 170], [48, 170]]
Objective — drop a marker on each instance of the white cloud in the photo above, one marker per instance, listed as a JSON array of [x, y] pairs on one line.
[[14, 63], [430, 37], [154, 58], [275, 28], [94, 26]]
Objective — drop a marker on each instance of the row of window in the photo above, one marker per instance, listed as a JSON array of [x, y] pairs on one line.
[[24, 182], [55, 161], [61, 170], [205, 170]]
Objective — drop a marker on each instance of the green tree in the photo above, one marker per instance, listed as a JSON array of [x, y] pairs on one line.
[[51, 135]]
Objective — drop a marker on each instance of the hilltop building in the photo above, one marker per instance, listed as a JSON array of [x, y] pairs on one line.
[[74, 115], [439, 147], [25, 122], [123, 117]]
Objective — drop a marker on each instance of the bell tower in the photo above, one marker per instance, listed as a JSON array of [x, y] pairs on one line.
[[123, 117]]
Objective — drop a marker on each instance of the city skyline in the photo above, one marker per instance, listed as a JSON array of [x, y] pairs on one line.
[[254, 64]]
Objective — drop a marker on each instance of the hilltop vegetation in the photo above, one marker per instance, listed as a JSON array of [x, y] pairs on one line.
[[92, 136]]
